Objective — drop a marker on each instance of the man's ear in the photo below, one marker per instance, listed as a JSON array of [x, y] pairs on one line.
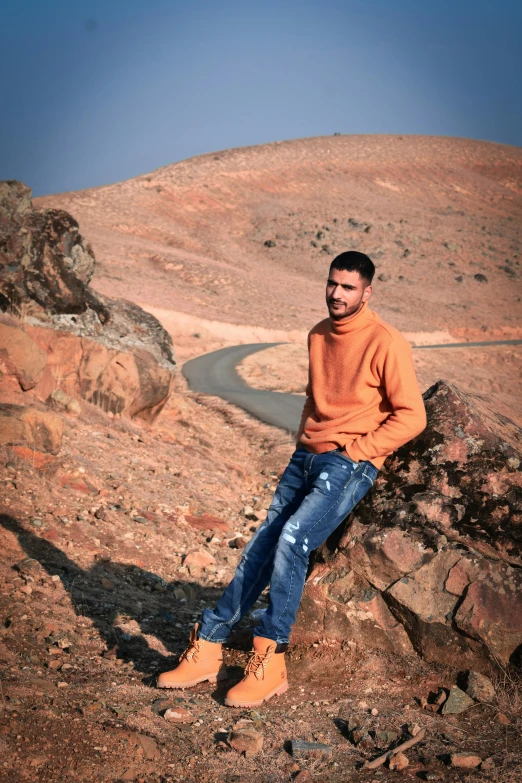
[[367, 293]]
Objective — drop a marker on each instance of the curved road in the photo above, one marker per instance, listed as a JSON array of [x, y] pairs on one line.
[[215, 373]]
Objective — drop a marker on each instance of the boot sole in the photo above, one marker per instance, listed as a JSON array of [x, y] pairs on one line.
[[211, 678], [276, 692]]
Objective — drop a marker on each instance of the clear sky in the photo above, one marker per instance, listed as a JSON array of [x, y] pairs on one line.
[[100, 91]]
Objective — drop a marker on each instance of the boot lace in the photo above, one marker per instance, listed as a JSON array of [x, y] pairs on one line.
[[193, 649], [257, 663]]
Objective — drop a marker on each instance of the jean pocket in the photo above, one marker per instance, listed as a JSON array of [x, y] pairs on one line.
[[370, 471]]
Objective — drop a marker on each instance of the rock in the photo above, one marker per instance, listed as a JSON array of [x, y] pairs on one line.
[[237, 543], [303, 776], [245, 739], [61, 401], [302, 749], [480, 687], [199, 559], [457, 702], [480, 278], [413, 729], [150, 747], [47, 260], [20, 357], [465, 760], [398, 762], [487, 764], [29, 426], [399, 575], [269, 243], [108, 352], [178, 715], [502, 719]]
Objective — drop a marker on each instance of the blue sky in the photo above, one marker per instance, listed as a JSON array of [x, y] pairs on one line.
[[96, 92]]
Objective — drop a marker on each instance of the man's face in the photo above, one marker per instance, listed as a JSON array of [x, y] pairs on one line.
[[345, 293]]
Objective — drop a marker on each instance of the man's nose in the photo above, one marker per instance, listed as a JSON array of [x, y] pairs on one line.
[[337, 291]]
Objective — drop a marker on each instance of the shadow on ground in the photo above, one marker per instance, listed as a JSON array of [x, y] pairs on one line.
[[114, 594]]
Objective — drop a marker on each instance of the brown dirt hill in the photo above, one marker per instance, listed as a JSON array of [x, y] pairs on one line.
[[245, 236]]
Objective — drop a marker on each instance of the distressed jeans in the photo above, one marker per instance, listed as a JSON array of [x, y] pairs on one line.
[[315, 494]]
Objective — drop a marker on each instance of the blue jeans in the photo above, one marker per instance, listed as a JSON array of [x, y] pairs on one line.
[[315, 494]]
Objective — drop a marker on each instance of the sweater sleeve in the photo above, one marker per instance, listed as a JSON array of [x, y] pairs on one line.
[[408, 416], [309, 406]]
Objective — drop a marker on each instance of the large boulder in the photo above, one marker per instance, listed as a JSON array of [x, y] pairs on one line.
[[430, 561], [57, 332]]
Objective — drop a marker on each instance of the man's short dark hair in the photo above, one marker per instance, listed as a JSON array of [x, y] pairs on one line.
[[353, 261]]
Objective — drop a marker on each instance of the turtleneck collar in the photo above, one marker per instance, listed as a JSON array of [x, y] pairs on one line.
[[352, 322]]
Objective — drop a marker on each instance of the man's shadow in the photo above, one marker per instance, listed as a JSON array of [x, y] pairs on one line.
[[126, 590]]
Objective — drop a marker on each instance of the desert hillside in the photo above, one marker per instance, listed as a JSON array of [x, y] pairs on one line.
[[245, 236]]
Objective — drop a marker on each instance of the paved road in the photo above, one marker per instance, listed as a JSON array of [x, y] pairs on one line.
[[215, 373]]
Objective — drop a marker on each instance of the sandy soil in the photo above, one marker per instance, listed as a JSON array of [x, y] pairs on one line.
[[246, 236], [95, 600]]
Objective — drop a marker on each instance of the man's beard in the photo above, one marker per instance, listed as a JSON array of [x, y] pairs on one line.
[[339, 316]]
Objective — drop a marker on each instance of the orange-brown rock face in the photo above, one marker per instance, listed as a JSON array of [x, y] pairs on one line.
[[39, 430], [60, 334], [430, 560]]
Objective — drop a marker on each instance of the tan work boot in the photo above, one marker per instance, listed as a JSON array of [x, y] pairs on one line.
[[201, 661], [265, 675]]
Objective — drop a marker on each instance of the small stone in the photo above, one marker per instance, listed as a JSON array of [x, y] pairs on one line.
[[238, 543], [441, 697], [301, 749], [63, 684], [465, 760], [480, 687], [303, 776], [457, 702], [413, 729], [108, 584], [362, 705], [487, 764], [502, 719], [178, 715], [36, 522], [245, 739], [480, 278], [200, 559], [398, 762], [375, 711]]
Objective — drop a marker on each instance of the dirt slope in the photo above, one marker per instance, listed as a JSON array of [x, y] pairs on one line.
[[434, 213]]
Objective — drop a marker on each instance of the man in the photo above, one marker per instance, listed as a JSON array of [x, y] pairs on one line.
[[362, 403]]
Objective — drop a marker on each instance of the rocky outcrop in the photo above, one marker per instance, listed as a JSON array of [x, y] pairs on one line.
[[57, 332], [430, 562], [39, 430]]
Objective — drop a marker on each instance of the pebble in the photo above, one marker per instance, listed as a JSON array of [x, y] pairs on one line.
[[245, 739], [63, 684], [480, 687], [457, 702], [465, 760], [503, 719], [398, 762], [301, 749], [375, 711], [178, 715]]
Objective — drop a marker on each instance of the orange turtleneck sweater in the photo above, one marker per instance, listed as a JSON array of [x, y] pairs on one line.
[[362, 393]]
